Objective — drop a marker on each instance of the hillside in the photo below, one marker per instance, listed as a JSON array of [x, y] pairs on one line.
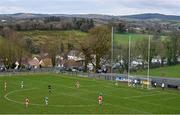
[[153, 16], [40, 38], [69, 36], [146, 16], [57, 34], [1, 39], [169, 71]]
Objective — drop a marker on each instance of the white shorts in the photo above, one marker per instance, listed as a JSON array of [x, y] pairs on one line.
[[27, 103]]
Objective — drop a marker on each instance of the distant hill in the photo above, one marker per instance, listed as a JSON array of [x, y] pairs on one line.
[[147, 16], [152, 16], [31, 15], [22, 16]]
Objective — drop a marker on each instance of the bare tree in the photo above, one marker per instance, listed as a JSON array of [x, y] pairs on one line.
[[100, 42]]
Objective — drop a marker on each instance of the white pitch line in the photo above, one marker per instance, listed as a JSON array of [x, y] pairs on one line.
[[139, 96], [63, 106], [6, 96], [18, 102], [155, 104]]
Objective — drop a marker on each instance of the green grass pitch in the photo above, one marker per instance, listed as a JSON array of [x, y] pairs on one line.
[[67, 99]]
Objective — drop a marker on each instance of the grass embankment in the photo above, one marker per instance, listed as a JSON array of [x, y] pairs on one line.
[[168, 71]]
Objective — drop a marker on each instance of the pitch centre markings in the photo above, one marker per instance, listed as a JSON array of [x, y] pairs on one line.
[[18, 102], [6, 96]]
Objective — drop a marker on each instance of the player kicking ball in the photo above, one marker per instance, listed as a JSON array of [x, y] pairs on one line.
[[46, 101], [22, 84], [77, 84], [100, 99], [27, 102]]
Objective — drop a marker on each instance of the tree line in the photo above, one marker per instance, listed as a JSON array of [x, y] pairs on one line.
[[166, 48], [96, 47], [50, 23], [16, 47]]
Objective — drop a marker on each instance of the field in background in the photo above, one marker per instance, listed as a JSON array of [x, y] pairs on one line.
[[40, 38], [1, 39], [54, 33], [168, 71], [66, 98], [124, 38], [70, 35], [178, 23]]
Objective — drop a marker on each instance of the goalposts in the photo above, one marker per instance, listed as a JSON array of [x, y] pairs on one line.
[[129, 58], [149, 49], [148, 69]]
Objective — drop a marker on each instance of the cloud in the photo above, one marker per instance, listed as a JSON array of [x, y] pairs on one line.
[[11, 9], [111, 7]]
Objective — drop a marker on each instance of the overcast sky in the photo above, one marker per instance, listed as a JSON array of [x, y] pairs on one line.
[[110, 7]]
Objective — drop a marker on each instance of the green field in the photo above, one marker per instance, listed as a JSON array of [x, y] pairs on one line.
[[178, 23], [70, 35], [124, 38], [1, 39], [54, 33], [40, 37], [169, 71], [66, 98]]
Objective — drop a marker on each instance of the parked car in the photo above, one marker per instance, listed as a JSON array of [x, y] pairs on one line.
[[82, 68], [68, 69], [99, 71], [2, 69]]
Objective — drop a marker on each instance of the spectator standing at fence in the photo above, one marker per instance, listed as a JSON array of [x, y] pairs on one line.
[[155, 84], [134, 83], [162, 86], [130, 82], [142, 84]]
